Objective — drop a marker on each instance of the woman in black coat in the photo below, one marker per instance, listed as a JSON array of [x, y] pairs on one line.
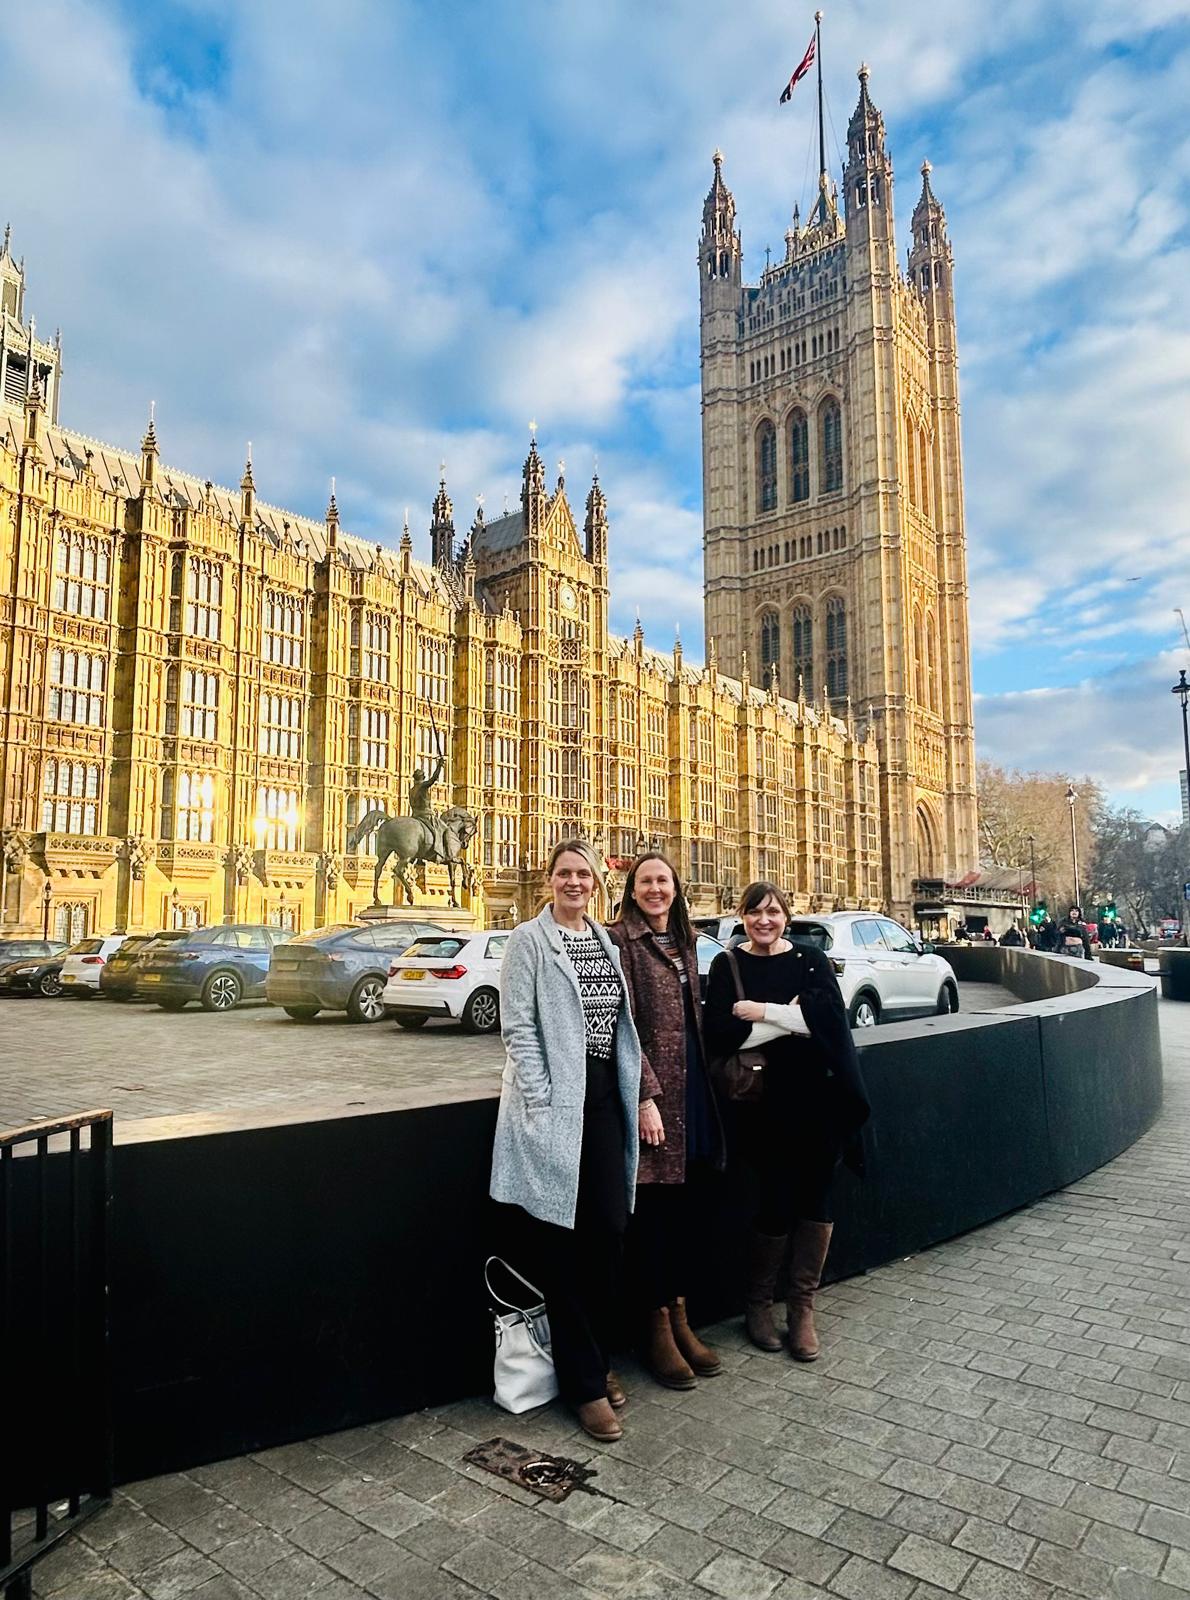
[[812, 1105]]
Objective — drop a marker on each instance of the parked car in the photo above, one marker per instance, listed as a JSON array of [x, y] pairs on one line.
[[218, 967], [885, 973], [727, 930], [34, 972], [706, 949], [454, 975], [343, 967], [85, 961], [118, 974]]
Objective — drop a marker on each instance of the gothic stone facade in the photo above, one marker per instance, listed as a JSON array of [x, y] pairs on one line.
[[834, 545], [200, 695]]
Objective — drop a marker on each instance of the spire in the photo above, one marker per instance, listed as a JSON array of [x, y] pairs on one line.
[[247, 491], [774, 681], [8, 240], [442, 524], [34, 407], [677, 650], [332, 520], [406, 546], [745, 673], [713, 656], [638, 635], [148, 451], [931, 260], [719, 250], [867, 177], [533, 484], [595, 525]]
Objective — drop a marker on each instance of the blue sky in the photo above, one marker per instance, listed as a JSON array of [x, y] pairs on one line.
[[369, 235]]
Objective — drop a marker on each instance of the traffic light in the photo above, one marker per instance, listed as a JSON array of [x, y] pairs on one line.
[[1110, 910], [1038, 914]]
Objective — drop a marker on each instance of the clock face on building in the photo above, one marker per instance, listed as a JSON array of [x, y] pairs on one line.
[[567, 597]]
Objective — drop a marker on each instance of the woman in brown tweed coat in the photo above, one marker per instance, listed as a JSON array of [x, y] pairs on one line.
[[680, 1128]]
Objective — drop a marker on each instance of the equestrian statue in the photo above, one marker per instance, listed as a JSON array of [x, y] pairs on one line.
[[422, 836]]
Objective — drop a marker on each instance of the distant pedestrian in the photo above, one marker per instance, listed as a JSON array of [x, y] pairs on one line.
[[809, 1113], [988, 936], [1012, 936], [681, 1131], [1074, 937], [566, 1147]]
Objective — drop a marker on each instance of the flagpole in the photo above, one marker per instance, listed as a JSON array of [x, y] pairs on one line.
[[821, 125]]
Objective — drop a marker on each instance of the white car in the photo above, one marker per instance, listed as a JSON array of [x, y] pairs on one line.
[[84, 962], [453, 975], [885, 973]]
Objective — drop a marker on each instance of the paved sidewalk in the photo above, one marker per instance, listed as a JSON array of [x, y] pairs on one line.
[[1006, 1417]]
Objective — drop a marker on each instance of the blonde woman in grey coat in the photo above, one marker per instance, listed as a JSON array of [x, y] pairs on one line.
[[567, 1135]]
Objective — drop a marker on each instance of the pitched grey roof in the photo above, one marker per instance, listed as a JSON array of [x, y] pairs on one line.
[[502, 533], [118, 472]]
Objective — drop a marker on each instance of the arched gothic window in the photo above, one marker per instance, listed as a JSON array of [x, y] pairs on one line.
[[803, 649], [830, 429], [910, 462], [770, 646], [919, 686], [931, 663], [924, 460], [766, 462], [799, 456], [836, 647]]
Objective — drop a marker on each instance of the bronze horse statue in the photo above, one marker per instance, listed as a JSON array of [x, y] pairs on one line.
[[411, 840]]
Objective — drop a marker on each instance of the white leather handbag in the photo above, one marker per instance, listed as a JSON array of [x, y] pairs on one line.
[[524, 1366]]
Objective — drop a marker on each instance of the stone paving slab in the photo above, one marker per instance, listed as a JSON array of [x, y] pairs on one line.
[[62, 1056], [1004, 1417]]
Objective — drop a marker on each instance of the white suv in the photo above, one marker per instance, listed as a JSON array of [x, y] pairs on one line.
[[884, 972], [451, 975], [84, 962]]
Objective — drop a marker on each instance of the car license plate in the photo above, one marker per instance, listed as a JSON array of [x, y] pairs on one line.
[[412, 973], [151, 977]]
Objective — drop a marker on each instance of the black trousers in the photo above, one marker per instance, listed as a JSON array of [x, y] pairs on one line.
[[578, 1269], [792, 1145], [669, 1225]]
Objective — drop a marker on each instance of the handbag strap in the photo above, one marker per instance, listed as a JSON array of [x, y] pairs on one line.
[[735, 973], [507, 1304]]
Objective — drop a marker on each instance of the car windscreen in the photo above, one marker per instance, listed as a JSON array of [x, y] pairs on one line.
[[434, 949], [85, 947], [811, 933], [172, 937], [135, 941]]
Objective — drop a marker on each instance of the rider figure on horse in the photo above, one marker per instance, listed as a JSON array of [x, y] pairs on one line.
[[419, 807]]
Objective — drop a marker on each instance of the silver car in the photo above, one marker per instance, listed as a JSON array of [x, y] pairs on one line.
[[885, 972]]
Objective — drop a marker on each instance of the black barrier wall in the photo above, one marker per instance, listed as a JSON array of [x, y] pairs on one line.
[[276, 1282]]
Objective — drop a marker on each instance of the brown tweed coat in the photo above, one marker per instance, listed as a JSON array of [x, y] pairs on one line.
[[658, 1009]]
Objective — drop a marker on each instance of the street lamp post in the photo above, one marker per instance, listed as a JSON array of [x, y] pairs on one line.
[[1182, 689], [47, 893], [1032, 867], [1071, 797]]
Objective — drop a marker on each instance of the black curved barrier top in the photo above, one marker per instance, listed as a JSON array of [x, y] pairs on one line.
[[276, 1281]]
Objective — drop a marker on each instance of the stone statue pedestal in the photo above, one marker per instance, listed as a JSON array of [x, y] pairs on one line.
[[445, 917]]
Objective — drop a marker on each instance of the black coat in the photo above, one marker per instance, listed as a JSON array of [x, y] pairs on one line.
[[815, 987]]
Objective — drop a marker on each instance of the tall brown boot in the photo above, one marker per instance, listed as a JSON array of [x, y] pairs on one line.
[[768, 1252], [811, 1241], [662, 1356], [701, 1357]]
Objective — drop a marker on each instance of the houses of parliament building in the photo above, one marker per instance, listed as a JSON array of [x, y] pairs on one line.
[[201, 695]]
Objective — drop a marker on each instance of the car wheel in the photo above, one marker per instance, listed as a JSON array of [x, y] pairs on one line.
[[221, 992], [865, 1011], [412, 1023], [301, 1013], [50, 985], [948, 1000], [481, 1014], [367, 1001]]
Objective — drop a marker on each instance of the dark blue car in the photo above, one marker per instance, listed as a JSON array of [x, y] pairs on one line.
[[218, 967]]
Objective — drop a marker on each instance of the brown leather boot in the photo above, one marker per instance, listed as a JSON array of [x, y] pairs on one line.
[[617, 1396], [662, 1356], [811, 1241], [701, 1357], [768, 1252], [597, 1418]]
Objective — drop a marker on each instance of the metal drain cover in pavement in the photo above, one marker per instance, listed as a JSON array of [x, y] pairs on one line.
[[552, 1477]]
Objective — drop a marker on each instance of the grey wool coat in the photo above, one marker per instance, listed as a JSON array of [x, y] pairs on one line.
[[539, 1128]]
